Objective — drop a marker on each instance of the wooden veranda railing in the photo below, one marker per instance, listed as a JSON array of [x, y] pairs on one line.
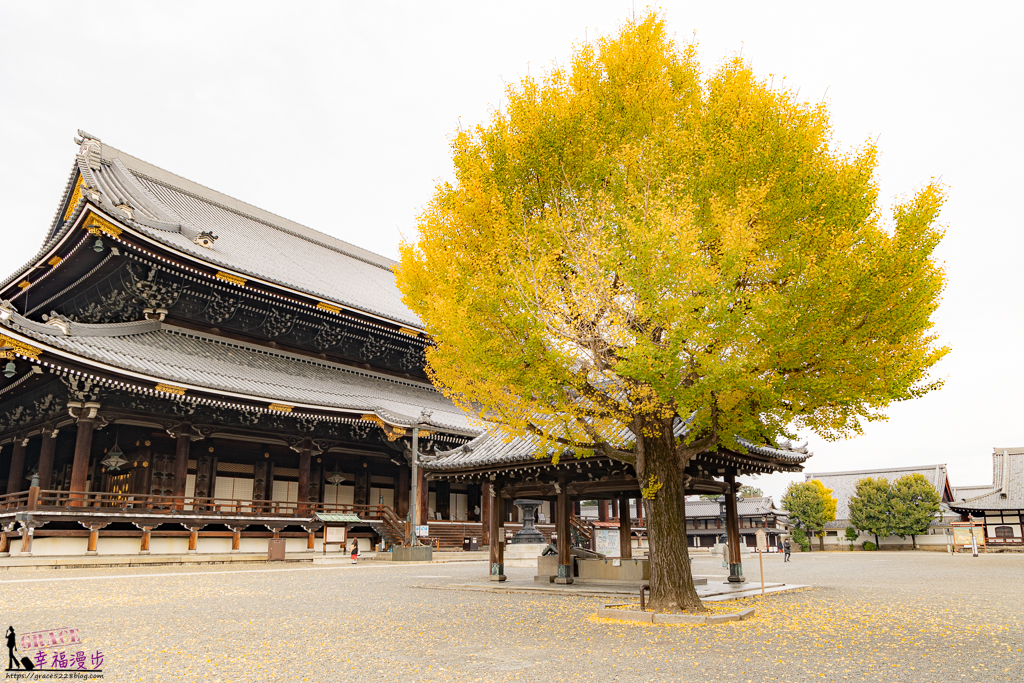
[[38, 500]]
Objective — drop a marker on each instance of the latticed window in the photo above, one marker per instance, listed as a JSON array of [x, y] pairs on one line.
[[1004, 532]]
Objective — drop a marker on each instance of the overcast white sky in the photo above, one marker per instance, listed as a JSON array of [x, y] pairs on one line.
[[339, 116]]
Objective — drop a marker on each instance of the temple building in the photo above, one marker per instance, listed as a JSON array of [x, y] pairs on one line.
[[182, 369], [999, 506], [844, 486], [508, 469]]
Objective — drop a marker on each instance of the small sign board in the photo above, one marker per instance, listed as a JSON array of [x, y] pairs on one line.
[[335, 534], [606, 541], [422, 530], [762, 541]]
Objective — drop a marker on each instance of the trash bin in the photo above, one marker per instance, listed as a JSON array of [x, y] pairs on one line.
[[465, 544], [474, 544], [275, 551]]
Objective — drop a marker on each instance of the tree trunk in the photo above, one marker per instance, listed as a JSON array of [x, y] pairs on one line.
[[913, 541], [821, 542], [876, 542], [671, 580]]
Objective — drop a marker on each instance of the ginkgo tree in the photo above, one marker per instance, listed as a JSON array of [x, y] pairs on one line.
[[642, 260]]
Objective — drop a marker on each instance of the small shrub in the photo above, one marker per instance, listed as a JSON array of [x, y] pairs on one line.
[[868, 545], [851, 534], [800, 538]]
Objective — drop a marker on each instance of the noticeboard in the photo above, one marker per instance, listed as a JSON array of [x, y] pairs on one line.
[[335, 534], [423, 530], [963, 531], [606, 541], [762, 541]]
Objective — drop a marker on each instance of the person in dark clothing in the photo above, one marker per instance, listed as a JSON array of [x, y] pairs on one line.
[[355, 550], [780, 545], [786, 546], [12, 661]]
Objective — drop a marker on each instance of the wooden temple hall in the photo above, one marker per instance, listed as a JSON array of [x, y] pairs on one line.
[[183, 371], [512, 470]]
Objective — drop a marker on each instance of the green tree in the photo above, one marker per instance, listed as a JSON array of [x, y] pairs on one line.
[[811, 506], [871, 507], [631, 242], [851, 535], [748, 491], [914, 504]]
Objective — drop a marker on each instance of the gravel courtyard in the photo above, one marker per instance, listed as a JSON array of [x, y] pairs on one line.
[[870, 617]]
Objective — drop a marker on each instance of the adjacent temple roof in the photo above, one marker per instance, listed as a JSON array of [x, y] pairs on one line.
[[193, 360], [487, 450], [231, 234], [1007, 490], [746, 507], [844, 484]]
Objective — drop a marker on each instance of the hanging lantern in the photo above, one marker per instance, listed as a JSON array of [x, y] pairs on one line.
[[115, 458], [335, 478]]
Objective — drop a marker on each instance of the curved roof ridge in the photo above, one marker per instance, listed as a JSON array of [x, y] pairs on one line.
[[198, 191]]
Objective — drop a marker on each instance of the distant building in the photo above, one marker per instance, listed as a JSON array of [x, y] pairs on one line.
[[844, 486], [1001, 504], [705, 521]]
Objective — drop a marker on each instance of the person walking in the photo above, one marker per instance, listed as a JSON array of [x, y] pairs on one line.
[[12, 661], [780, 545], [355, 550], [786, 547]]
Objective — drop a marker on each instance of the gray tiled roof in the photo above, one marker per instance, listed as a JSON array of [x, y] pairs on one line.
[[748, 507], [1007, 490], [488, 450], [180, 356], [844, 484], [250, 241]]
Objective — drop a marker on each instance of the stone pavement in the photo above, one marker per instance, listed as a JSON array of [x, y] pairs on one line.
[[716, 589], [913, 617]]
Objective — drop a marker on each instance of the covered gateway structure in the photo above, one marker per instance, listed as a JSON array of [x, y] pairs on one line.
[[513, 468], [178, 364]]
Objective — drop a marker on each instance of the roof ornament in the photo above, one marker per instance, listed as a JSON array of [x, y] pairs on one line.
[[91, 149], [425, 415], [6, 310], [61, 322], [205, 239], [127, 210]]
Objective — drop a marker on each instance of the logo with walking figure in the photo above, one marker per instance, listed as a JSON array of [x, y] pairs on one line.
[[33, 651]]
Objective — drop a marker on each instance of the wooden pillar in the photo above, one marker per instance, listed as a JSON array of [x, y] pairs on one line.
[[193, 539], [485, 514], [181, 466], [5, 539], [733, 530], [615, 508], [577, 508], [27, 532], [497, 535], [147, 532], [422, 494], [602, 510], [14, 483], [402, 492], [625, 527], [305, 455], [236, 538], [80, 464], [640, 510], [94, 537], [310, 539], [442, 499], [46, 451], [562, 511]]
